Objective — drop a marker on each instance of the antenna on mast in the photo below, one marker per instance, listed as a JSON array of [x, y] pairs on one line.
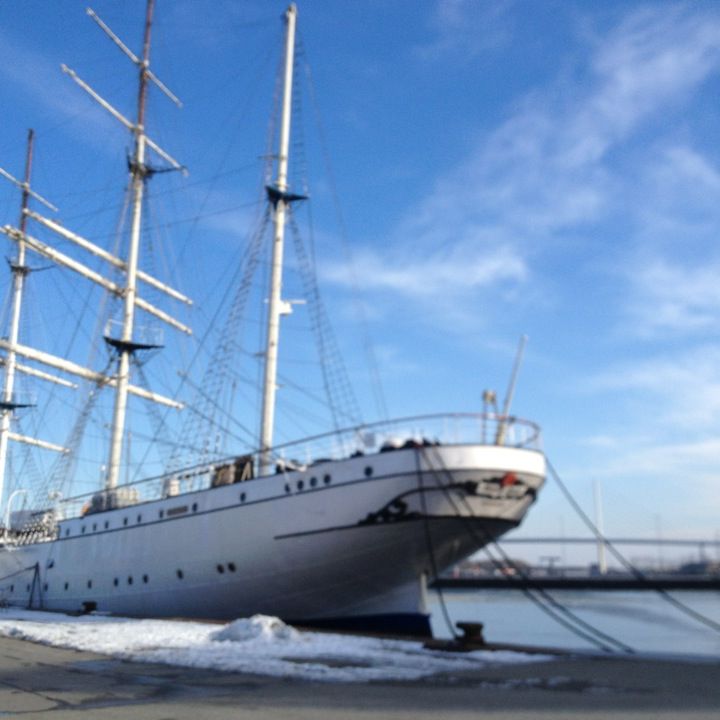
[[504, 416]]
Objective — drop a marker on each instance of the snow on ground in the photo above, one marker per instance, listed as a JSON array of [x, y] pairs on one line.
[[259, 645]]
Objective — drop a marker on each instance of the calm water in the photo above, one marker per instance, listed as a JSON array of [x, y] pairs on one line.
[[642, 620]]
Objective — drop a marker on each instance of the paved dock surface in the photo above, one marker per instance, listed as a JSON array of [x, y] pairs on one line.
[[37, 681]]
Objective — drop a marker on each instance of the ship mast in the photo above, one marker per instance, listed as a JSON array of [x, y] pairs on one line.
[[19, 271], [124, 345], [280, 198], [125, 348], [8, 401]]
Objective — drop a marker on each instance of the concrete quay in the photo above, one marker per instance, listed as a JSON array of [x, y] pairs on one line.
[[38, 681]]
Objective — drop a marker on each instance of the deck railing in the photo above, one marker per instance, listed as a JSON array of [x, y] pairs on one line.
[[447, 429]]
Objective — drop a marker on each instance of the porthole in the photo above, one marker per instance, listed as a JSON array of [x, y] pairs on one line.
[[287, 488], [125, 521], [28, 588], [313, 481], [45, 587], [221, 569], [145, 578], [194, 507], [368, 471], [116, 582], [300, 484], [67, 532], [67, 585], [139, 518], [327, 479], [12, 588], [130, 580], [180, 574], [89, 584], [242, 497], [82, 529], [94, 527], [231, 567], [161, 514], [107, 524]]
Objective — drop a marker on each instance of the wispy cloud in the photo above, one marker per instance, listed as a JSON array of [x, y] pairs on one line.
[[671, 459], [645, 478], [39, 77], [657, 56], [557, 167], [675, 300], [677, 392], [467, 27], [547, 167], [444, 272]]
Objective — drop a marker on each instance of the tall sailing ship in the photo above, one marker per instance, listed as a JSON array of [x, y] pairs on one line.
[[346, 537]]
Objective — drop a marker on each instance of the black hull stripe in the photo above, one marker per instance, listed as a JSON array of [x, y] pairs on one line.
[[425, 518]]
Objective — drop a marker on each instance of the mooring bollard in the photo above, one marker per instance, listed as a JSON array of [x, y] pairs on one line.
[[472, 633]]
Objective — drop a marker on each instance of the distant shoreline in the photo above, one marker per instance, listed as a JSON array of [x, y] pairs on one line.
[[599, 582]]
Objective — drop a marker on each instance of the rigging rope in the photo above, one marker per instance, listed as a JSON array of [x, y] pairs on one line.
[[340, 394], [160, 438], [368, 345], [682, 607], [63, 469], [19, 572], [218, 369], [553, 608], [431, 548]]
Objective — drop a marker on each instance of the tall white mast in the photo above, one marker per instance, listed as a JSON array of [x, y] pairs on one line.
[[280, 198], [138, 172], [19, 271], [124, 345]]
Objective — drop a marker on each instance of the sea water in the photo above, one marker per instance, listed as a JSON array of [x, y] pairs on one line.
[[645, 621]]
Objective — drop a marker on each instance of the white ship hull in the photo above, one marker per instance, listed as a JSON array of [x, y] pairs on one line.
[[343, 543]]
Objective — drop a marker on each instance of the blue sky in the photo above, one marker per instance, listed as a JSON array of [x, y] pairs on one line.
[[548, 168]]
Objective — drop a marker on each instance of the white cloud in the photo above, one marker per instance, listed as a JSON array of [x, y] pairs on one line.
[[674, 299], [679, 202], [677, 392], [546, 168], [444, 272], [604, 442], [550, 171], [40, 78], [678, 479], [656, 54], [467, 27], [674, 460], [27, 70]]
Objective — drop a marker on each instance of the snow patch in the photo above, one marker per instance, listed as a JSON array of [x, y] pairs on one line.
[[259, 645], [258, 627]]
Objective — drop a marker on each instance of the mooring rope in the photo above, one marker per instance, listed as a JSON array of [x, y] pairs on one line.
[[553, 608], [637, 573]]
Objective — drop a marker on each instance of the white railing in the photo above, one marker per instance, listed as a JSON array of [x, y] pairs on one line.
[[446, 429]]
